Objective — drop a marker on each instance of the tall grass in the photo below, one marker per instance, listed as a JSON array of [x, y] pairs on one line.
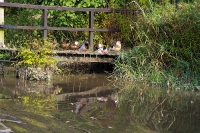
[[166, 47]]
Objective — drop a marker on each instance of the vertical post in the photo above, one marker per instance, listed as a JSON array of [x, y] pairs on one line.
[[45, 23], [1, 22], [91, 24]]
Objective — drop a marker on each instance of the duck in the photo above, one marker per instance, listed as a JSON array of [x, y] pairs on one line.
[[116, 47], [98, 46], [75, 45], [65, 44], [105, 50], [84, 47], [102, 50]]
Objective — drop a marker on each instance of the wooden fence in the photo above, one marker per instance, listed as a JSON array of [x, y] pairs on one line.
[[45, 27]]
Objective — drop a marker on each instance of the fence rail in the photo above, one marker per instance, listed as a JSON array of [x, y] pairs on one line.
[[45, 27]]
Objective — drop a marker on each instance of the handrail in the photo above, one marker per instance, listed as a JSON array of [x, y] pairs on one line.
[[61, 8], [45, 27]]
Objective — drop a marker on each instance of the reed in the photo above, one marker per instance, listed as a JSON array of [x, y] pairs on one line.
[[165, 48]]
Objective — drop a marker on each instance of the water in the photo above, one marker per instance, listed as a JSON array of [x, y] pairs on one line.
[[66, 99], [94, 103]]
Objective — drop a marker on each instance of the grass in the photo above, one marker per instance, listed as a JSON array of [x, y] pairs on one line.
[[165, 48]]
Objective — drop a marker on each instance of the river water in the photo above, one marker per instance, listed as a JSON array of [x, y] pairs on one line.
[[94, 103]]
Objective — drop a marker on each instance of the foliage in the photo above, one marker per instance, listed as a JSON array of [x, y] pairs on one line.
[[36, 54], [4, 55], [55, 19], [36, 62], [73, 19], [166, 50]]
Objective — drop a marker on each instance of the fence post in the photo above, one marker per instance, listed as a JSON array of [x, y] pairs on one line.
[[1, 22], [91, 24], [45, 23]]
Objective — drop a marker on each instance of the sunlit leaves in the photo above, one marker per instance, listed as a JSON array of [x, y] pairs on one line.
[[38, 55]]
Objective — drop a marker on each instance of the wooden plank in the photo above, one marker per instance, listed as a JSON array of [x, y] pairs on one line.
[[45, 23], [72, 52], [22, 27], [74, 56], [1, 22], [69, 52], [91, 25], [8, 49], [83, 59], [83, 29], [61, 8], [56, 28]]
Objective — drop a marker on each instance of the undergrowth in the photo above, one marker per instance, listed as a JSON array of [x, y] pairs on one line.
[[166, 47]]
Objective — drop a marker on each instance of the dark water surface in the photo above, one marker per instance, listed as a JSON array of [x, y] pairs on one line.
[[92, 103]]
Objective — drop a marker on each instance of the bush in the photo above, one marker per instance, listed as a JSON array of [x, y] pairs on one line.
[[35, 60]]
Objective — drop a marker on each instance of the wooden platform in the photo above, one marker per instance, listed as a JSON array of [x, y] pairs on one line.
[[76, 56]]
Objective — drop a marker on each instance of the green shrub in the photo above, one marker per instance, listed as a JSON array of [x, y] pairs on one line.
[[36, 54], [35, 61]]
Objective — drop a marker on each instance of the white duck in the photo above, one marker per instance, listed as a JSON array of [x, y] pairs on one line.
[[116, 47], [99, 48], [102, 50]]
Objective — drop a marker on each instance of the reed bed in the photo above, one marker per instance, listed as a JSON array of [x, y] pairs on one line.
[[165, 47]]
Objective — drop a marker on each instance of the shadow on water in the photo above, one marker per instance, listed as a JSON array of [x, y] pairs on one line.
[[92, 103]]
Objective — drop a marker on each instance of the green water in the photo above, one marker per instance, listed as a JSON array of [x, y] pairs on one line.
[[92, 103]]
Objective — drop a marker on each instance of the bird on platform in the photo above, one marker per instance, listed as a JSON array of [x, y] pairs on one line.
[[105, 50], [99, 48], [116, 47], [65, 44], [84, 47], [102, 50], [75, 45]]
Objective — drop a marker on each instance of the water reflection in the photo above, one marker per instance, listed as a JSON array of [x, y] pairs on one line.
[[66, 88], [77, 86], [83, 92], [119, 107], [161, 109]]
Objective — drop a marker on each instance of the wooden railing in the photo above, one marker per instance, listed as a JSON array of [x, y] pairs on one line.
[[45, 27]]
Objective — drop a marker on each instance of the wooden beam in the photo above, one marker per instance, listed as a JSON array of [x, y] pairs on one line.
[[91, 25], [56, 28], [1, 22], [61, 8], [45, 23]]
